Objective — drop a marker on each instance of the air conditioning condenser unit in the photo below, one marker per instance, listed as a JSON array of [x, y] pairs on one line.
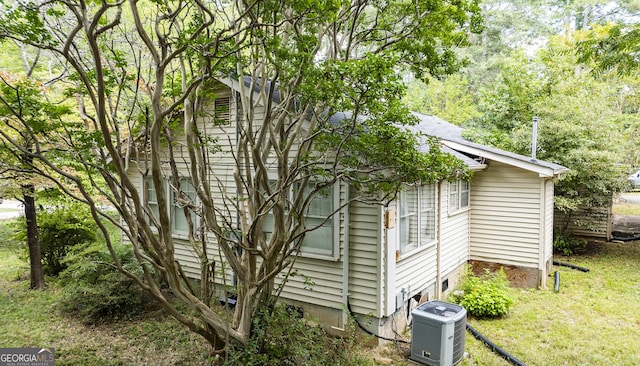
[[438, 333]]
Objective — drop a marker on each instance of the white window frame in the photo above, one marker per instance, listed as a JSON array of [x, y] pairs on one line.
[[423, 213], [333, 222], [459, 196], [173, 208], [178, 211]]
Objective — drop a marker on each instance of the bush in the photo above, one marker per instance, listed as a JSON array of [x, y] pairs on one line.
[[282, 337], [568, 245], [95, 291], [59, 230], [487, 296]]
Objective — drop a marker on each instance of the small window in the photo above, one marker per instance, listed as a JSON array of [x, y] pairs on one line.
[[222, 111], [417, 217], [152, 198], [186, 197], [458, 195], [322, 241]]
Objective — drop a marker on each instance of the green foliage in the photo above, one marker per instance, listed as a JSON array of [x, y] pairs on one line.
[[282, 337], [612, 47], [95, 291], [448, 99], [568, 244], [60, 229], [486, 296]]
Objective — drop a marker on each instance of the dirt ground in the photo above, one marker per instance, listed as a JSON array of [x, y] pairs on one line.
[[626, 226]]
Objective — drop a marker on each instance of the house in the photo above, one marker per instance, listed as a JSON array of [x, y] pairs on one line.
[[379, 260]]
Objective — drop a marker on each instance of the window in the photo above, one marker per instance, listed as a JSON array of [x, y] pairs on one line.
[[322, 241], [177, 215], [458, 195], [417, 216], [178, 202], [152, 198]]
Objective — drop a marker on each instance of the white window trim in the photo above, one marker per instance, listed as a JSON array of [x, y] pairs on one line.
[[430, 244], [335, 222], [460, 208], [168, 193]]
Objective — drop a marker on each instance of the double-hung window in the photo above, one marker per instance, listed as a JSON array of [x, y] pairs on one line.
[[417, 217], [458, 195], [179, 200], [322, 239], [178, 203]]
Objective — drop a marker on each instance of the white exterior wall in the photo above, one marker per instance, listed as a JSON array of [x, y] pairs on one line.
[[317, 281], [507, 216], [455, 234]]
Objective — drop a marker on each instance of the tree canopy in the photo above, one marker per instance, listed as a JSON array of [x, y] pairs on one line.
[[142, 76]]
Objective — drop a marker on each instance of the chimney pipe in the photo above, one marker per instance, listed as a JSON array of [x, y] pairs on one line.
[[534, 139]]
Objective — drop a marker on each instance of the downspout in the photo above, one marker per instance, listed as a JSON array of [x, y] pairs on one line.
[[345, 258], [438, 240]]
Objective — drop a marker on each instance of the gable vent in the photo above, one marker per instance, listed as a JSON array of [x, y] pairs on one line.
[[222, 110]]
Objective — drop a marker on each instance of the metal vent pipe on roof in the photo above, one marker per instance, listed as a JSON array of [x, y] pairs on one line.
[[534, 138]]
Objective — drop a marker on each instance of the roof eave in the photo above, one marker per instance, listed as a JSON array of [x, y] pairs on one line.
[[532, 166]]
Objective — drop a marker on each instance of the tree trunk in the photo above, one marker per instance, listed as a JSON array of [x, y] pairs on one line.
[[35, 257]]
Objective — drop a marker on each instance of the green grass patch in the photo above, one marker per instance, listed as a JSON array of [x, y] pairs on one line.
[[592, 320], [626, 209], [31, 319]]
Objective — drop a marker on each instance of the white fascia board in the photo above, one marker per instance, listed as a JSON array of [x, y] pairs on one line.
[[543, 172]]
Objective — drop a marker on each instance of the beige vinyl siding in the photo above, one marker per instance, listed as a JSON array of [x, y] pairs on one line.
[[454, 237], [365, 243], [417, 271], [591, 222], [506, 216], [325, 277], [548, 221]]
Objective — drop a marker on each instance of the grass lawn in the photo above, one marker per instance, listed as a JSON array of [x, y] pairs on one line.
[[31, 319], [593, 320]]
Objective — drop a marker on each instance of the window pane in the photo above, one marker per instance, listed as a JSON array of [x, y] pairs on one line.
[[179, 218], [464, 194], [427, 214], [453, 196], [408, 219], [320, 240], [152, 197]]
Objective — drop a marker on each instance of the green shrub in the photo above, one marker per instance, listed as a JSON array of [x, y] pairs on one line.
[[95, 291], [59, 230], [282, 337], [487, 296], [568, 245]]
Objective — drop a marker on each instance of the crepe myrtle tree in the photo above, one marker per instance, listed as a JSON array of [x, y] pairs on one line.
[[318, 102]]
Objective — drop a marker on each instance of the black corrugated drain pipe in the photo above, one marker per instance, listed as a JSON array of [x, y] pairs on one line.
[[583, 269], [492, 346]]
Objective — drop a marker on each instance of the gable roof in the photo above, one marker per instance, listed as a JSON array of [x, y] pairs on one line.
[[451, 136], [472, 154]]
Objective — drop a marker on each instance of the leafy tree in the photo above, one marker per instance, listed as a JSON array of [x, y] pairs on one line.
[[448, 99], [26, 122], [583, 121], [142, 75], [612, 47]]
